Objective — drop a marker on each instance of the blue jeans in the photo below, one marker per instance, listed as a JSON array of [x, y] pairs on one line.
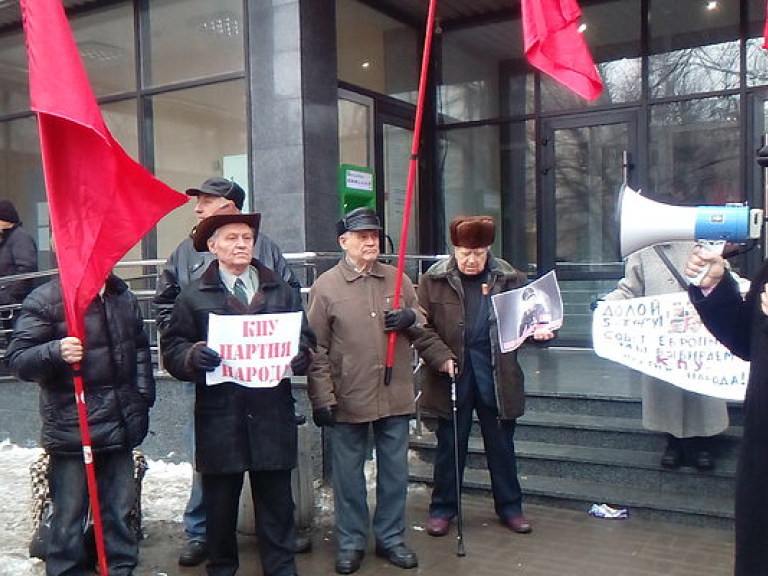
[[194, 513], [498, 437], [69, 494], [349, 447]]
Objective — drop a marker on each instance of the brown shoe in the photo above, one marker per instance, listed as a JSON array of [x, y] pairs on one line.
[[519, 524], [438, 526]]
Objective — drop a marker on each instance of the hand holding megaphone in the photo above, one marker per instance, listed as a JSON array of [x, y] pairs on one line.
[[706, 266]]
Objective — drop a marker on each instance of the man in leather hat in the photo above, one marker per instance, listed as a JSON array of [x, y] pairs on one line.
[[350, 310], [236, 283]]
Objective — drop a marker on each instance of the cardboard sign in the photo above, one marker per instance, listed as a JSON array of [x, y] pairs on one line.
[[255, 349], [663, 336]]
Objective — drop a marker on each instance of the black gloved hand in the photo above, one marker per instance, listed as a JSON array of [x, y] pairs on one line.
[[323, 416], [593, 303], [300, 363], [398, 319], [205, 359]]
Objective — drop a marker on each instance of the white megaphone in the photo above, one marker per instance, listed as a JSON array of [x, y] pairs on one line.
[[643, 222]]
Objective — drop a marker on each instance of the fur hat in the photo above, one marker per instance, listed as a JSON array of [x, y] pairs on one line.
[[472, 231], [207, 227], [358, 219], [8, 212], [220, 187]]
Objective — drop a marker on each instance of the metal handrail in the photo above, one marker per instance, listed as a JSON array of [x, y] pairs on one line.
[[309, 261]]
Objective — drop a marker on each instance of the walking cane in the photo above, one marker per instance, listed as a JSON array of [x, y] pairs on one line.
[[460, 521]]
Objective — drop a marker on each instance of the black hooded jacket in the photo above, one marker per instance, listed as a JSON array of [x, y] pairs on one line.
[[116, 368]]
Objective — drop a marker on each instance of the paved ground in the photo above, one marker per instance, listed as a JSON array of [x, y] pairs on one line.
[[563, 543]]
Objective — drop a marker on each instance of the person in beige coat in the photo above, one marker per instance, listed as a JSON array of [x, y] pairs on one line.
[[688, 420], [350, 311]]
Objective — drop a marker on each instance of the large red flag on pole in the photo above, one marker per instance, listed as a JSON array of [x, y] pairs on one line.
[[765, 28], [101, 201], [412, 170], [554, 45]]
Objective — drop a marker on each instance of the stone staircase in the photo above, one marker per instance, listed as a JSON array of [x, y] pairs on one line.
[[581, 442]]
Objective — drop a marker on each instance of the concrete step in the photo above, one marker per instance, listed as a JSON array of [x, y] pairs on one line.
[[715, 511], [619, 467]]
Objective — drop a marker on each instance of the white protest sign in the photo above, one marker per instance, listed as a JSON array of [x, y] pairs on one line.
[[255, 349], [520, 312], [663, 336]]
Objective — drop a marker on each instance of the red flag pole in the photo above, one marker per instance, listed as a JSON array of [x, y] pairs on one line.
[[90, 471], [412, 169]]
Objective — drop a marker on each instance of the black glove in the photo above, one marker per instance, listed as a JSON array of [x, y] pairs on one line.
[[398, 319], [205, 359], [593, 304], [300, 363], [323, 416]]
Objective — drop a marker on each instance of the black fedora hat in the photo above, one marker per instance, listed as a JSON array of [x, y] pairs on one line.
[[207, 227]]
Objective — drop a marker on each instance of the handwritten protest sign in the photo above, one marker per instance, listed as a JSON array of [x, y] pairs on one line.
[[521, 311], [255, 349], [663, 336]]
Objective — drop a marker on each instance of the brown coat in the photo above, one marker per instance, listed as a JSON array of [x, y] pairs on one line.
[[441, 295], [346, 312]]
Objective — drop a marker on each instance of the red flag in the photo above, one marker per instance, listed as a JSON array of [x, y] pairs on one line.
[[554, 45], [102, 202], [765, 28]]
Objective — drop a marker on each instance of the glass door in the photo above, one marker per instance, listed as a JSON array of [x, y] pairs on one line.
[[586, 158]]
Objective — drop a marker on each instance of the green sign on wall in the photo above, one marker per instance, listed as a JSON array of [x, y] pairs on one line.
[[356, 188]]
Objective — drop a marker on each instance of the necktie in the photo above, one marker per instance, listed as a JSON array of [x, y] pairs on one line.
[[239, 291]]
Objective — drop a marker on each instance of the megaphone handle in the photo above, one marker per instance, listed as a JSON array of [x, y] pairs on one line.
[[713, 246]]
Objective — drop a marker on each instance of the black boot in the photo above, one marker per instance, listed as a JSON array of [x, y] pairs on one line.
[[673, 455], [699, 453]]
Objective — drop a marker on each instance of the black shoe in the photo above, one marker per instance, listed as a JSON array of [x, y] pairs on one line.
[[673, 455], [704, 461], [399, 555], [303, 542], [193, 553], [348, 561]]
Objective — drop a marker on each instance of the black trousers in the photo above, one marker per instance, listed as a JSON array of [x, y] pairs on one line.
[[275, 529]]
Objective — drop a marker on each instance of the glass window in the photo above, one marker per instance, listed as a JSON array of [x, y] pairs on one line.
[[480, 66], [22, 181], [757, 56], [518, 176], [194, 39], [14, 88], [616, 52], [694, 47], [472, 175], [355, 132], [377, 52], [105, 39], [694, 152], [198, 133]]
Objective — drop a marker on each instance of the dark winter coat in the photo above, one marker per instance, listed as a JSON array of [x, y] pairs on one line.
[[236, 428], [186, 264], [116, 368], [18, 255], [742, 327], [441, 295]]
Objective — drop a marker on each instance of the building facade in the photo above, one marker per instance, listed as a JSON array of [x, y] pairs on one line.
[[280, 95]]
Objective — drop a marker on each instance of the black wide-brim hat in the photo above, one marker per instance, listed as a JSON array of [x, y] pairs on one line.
[[207, 227]]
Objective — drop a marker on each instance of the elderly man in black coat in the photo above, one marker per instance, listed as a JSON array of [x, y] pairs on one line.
[[119, 386], [238, 429], [741, 324]]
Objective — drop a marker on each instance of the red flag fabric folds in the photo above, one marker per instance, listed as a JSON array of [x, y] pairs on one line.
[[765, 28], [554, 45], [101, 201]]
